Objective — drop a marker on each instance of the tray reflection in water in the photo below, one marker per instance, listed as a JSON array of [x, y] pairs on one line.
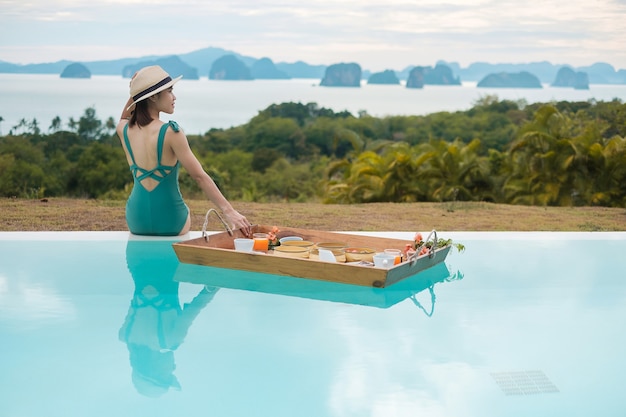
[[318, 290]]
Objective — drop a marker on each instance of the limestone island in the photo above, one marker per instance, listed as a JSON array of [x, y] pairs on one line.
[[522, 79], [342, 75], [440, 75], [229, 67], [76, 70], [385, 77], [567, 77]]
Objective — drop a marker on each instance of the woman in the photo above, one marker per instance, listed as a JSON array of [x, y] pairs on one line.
[[154, 151]]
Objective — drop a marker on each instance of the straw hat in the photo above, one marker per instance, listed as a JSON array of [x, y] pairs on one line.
[[149, 81]]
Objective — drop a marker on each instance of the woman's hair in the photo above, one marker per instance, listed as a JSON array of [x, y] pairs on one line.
[[140, 116]]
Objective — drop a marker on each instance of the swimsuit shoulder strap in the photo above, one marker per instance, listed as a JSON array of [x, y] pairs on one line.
[[161, 139], [130, 151]]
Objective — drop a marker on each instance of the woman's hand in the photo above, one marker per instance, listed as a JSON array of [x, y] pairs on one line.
[[238, 221]]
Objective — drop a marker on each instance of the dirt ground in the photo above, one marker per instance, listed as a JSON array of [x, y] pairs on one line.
[[65, 214]]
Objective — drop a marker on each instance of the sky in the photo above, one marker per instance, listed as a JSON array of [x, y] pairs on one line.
[[378, 35]]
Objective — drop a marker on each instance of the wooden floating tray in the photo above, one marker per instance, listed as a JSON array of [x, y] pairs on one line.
[[219, 251]]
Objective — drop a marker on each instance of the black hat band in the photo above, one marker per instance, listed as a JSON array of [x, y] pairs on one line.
[[152, 88]]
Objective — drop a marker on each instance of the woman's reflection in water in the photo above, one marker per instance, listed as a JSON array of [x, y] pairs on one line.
[[156, 324]]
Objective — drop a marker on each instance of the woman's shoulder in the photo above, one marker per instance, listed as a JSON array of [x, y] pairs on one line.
[[121, 125], [175, 127], [173, 132]]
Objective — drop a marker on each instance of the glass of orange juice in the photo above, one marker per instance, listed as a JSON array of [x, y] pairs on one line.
[[397, 253], [261, 242]]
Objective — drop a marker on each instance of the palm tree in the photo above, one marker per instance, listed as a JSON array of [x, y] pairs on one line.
[[437, 171], [345, 136], [34, 127], [22, 125], [605, 182], [402, 165], [359, 181], [72, 125], [55, 125], [542, 161], [454, 171]]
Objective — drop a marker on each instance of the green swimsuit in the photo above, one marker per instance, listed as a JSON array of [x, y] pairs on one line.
[[162, 211]]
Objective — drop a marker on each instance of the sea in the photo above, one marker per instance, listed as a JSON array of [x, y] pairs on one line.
[[205, 104]]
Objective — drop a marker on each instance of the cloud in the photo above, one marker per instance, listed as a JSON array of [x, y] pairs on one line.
[[321, 31]]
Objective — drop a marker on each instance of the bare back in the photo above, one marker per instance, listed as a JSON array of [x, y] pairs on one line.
[[144, 145]]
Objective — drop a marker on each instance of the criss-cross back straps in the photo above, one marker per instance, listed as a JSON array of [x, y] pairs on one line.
[[160, 171]]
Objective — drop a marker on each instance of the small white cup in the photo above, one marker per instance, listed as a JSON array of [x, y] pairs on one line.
[[384, 260], [244, 245]]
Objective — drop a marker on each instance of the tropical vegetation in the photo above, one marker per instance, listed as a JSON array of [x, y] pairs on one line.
[[546, 154]]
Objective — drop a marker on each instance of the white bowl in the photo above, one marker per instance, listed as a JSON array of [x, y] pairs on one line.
[[243, 244]]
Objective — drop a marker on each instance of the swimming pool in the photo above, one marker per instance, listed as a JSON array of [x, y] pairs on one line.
[[520, 324]]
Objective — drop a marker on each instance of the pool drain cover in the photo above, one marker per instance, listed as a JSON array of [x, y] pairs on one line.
[[524, 383]]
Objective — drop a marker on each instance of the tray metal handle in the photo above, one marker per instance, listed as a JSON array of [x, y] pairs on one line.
[[431, 250], [206, 223]]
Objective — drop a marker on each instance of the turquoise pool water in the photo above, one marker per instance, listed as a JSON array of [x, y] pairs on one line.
[[520, 324]]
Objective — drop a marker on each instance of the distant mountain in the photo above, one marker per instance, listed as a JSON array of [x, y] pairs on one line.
[[264, 69], [598, 73], [603, 73], [301, 69], [50, 68], [202, 60], [115, 67], [544, 71], [173, 65]]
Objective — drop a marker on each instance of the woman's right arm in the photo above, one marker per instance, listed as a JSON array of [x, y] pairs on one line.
[[125, 116], [125, 112], [183, 152]]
